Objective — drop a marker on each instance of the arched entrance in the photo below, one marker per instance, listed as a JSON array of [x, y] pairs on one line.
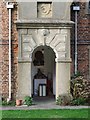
[[43, 70], [35, 40]]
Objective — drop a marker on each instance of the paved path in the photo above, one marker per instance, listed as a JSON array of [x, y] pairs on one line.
[[42, 103], [43, 106]]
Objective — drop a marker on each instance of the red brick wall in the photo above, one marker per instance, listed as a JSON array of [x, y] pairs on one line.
[[83, 39], [83, 23], [83, 59], [5, 50], [0, 49]]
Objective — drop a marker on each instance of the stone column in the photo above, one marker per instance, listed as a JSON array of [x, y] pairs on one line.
[[62, 78]]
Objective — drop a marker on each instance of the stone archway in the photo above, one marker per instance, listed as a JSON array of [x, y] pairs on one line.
[[51, 33], [43, 60]]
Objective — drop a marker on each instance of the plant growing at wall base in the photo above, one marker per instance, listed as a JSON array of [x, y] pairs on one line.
[[58, 100], [10, 103], [28, 100], [63, 99], [76, 75], [78, 101]]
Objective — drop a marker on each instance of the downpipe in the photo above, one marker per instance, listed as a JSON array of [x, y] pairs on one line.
[[76, 53], [9, 6]]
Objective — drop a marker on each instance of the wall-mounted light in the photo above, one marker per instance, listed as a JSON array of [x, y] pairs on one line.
[[76, 6]]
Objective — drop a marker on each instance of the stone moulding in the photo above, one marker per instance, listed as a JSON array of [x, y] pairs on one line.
[[43, 23]]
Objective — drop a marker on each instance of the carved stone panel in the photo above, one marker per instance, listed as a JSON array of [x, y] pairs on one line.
[[26, 47], [57, 39], [44, 9]]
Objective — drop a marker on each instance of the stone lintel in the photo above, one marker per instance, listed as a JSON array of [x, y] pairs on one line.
[[39, 23]]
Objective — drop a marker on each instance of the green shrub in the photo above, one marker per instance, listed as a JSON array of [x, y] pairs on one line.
[[28, 100], [80, 90], [63, 99], [76, 75], [78, 101], [58, 100], [4, 103], [10, 103]]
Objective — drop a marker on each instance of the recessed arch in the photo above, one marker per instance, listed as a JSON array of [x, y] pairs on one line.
[[55, 51], [48, 70]]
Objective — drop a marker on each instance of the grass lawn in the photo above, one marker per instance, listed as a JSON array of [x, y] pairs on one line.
[[65, 113]]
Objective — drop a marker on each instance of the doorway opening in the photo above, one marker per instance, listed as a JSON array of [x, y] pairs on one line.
[[43, 73]]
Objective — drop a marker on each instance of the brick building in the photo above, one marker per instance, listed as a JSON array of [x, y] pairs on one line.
[[21, 26], [83, 38]]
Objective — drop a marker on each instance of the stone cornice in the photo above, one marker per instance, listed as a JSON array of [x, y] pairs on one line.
[[35, 23]]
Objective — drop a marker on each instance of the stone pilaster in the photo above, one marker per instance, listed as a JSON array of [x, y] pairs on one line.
[[62, 78], [24, 79]]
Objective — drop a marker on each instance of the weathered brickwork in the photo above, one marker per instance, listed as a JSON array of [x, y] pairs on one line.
[[1, 50], [83, 60], [83, 39], [83, 23], [5, 50]]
